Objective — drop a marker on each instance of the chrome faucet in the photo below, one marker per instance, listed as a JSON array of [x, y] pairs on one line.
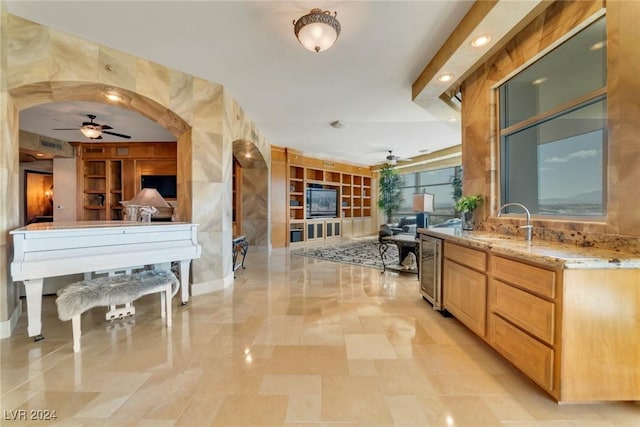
[[528, 228]]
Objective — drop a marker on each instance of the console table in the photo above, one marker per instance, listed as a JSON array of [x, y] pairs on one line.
[[406, 243], [240, 247]]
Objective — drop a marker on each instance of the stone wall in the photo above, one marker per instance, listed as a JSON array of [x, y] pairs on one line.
[[480, 145], [41, 65]]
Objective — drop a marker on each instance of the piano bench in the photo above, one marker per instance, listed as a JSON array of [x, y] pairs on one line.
[[79, 297]]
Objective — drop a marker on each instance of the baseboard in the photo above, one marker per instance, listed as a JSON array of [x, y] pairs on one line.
[[7, 326], [211, 286]]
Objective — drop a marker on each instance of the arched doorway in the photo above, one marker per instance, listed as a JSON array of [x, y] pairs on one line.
[[251, 193], [56, 67]]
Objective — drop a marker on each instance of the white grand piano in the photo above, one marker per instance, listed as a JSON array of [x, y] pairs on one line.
[[52, 249]]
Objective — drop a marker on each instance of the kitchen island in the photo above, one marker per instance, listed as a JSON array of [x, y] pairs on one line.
[[567, 316]]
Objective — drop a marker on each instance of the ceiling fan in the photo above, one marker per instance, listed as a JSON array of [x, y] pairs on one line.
[[93, 130], [393, 160]]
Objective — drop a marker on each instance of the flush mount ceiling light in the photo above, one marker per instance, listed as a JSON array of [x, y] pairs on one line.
[[318, 30]]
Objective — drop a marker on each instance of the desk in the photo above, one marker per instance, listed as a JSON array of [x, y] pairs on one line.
[[406, 243]]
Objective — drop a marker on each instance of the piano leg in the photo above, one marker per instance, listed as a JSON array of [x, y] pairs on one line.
[[33, 290], [184, 280]]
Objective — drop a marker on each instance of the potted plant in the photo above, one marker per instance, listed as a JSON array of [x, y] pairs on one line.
[[465, 206], [389, 191]]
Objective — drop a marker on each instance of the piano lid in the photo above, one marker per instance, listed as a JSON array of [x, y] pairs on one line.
[[78, 225], [56, 249]]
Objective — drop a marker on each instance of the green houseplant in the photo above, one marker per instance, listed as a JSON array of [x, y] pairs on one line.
[[389, 191], [465, 206]]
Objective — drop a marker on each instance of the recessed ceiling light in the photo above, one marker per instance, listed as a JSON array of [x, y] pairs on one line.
[[424, 150], [480, 40], [453, 119], [112, 96], [445, 77], [598, 46], [39, 154], [539, 81]]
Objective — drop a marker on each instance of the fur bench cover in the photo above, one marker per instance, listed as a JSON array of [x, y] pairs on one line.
[[80, 296]]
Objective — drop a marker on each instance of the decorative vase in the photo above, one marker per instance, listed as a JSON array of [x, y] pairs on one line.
[[467, 220]]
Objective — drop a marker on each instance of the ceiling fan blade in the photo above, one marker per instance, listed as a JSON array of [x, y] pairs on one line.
[[105, 127], [116, 134]]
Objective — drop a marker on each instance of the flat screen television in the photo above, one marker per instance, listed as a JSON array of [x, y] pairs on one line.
[[165, 184], [322, 202]]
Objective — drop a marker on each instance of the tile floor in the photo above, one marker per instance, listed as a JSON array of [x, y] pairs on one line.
[[296, 342]]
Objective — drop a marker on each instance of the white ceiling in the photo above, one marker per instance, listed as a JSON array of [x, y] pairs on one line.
[[291, 94]]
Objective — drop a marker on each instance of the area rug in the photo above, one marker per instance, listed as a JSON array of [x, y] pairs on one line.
[[360, 252]]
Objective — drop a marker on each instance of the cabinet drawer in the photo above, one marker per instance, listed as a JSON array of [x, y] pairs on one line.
[[465, 296], [466, 256], [533, 314], [526, 353], [535, 279]]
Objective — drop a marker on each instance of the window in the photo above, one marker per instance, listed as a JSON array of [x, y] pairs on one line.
[[553, 139], [437, 182]]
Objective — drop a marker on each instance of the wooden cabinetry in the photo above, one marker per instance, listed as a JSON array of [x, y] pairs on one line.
[[321, 229], [522, 310], [108, 173], [353, 188], [296, 193], [101, 190], [465, 286], [356, 196], [575, 332]]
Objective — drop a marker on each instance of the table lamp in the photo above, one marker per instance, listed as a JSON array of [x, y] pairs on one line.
[[423, 205], [145, 204]]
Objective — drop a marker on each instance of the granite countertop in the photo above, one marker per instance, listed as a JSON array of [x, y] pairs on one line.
[[545, 253]]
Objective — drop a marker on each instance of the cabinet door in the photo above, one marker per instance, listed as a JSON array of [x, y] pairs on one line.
[[311, 231], [336, 228], [465, 296], [529, 312], [466, 256], [526, 353], [528, 277]]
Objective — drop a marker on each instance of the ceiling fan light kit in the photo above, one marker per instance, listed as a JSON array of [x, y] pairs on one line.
[[392, 159], [93, 130], [318, 30]]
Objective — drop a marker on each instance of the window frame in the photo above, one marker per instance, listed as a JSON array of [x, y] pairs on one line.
[[559, 110], [419, 186]]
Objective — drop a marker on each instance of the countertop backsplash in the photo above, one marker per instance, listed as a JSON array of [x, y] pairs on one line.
[[628, 244]]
